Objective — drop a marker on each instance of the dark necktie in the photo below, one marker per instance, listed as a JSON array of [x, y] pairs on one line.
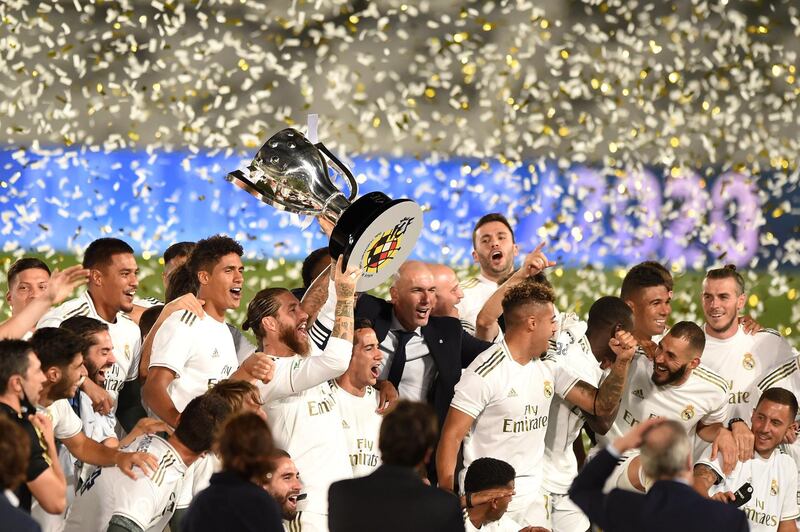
[[399, 360]]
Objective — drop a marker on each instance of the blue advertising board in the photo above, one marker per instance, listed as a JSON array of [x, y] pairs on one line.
[[65, 199]]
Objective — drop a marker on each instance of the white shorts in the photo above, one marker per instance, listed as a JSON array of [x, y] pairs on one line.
[[564, 515], [529, 509]]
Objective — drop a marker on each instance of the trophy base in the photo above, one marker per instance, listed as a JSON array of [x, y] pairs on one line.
[[376, 234]]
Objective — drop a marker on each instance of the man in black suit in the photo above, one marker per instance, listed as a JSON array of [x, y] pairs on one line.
[[423, 354], [670, 504], [394, 497]]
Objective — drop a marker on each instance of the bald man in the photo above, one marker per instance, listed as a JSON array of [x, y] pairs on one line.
[[448, 291], [423, 354]]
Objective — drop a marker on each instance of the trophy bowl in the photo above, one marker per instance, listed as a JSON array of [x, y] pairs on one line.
[[374, 233]]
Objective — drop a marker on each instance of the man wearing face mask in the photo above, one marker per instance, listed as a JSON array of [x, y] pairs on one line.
[[61, 355], [21, 381]]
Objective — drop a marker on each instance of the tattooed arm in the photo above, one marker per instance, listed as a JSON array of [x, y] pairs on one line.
[[316, 295], [704, 478], [344, 317], [602, 404]]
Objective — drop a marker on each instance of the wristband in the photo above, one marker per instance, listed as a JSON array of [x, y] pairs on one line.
[[468, 496], [734, 420]]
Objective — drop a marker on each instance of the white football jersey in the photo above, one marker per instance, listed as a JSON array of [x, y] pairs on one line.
[[125, 337], [743, 359], [564, 426], [477, 290], [199, 350], [66, 422], [146, 302], [510, 404], [148, 501], [361, 424], [197, 478], [785, 374], [504, 524], [774, 482], [702, 398], [308, 426], [305, 421]]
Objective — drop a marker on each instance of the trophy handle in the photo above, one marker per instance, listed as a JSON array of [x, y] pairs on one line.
[[341, 168]]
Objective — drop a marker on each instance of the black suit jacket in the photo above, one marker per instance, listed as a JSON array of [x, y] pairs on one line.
[[668, 506], [450, 346], [392, 499]]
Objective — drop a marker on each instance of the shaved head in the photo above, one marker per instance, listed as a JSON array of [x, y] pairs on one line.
[[413, 294], [448, 290]]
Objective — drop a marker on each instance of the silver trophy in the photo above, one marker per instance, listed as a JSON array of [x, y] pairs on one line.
[[374, 232]]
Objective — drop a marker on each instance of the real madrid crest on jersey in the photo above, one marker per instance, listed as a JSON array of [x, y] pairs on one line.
[[688, 413], [773, 487], [548, 389], [127, 351], [748, 361]]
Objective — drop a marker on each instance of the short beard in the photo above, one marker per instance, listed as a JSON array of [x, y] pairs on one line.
[[288, 335], [725, 328], [672, 376], [60, 390]]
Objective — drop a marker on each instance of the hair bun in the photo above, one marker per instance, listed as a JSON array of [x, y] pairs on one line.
[[731, 267]]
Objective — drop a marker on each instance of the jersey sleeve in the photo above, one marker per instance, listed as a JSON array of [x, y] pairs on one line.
[[39, 460], [68, 424], [720, 413], [53, 318], [305, 373], [564, 378], [472, 394], [714, 465], [789, 508], [172, 345]]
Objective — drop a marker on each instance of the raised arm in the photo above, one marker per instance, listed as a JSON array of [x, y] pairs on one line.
[[486, 327], [59, 287], [335, 359], [316, 295], [602, 403]]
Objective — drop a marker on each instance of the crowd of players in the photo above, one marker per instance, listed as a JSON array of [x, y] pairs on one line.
[[127, 414]]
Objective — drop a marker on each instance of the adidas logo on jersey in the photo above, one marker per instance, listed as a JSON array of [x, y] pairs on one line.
[[345, 425], [512, 393], [639, 393], [215, 354]]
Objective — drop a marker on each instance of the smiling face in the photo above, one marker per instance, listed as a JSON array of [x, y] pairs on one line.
[[413, 295], [770, 423], [284, 485], [651, 307], [26, 286], [722, 303], [494, 250], [99, 357], [114, 284], [673, 361], [65, 381], [222, 286]]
